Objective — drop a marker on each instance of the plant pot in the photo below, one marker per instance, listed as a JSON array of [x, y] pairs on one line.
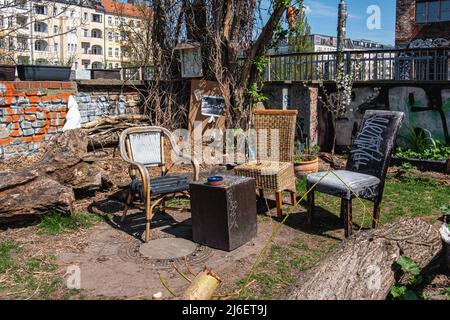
[[112, 74], [7, 72], [303, 168], [43, 73]]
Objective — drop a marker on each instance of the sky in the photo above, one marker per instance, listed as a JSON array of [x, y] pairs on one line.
[[322, 16]]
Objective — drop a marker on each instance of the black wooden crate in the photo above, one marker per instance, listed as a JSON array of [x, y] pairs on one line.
[[224, 217]]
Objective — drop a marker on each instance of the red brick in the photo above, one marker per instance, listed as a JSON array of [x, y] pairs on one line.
[[34, 84], [22, 85], [66, 85], [51, 84]]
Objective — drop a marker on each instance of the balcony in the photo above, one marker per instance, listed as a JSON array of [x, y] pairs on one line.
[[395, 65]]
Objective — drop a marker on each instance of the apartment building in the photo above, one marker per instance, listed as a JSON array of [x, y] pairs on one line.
[[325, 43], [85, 34], [120, 18]]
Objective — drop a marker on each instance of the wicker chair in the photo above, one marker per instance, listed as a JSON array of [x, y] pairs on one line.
[[273, 168], [143, 147]]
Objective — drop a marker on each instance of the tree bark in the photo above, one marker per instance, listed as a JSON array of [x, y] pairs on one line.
[[48, 184], [363, 266]]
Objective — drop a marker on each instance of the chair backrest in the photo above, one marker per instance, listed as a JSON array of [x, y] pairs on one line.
[[146, 147], [275, 134], [374, 142]]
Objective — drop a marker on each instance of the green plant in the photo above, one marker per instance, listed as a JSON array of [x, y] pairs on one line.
[[422, 146], [305, 152], [54, 223], [412, 272], [254, 91]]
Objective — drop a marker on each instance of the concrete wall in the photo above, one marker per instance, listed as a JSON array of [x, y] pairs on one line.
[[426, 105], [32, 112]]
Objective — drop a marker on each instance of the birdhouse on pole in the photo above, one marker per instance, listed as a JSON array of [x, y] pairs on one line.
[[191, 59]]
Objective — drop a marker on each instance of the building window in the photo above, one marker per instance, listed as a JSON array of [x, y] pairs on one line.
[[116, 36], [10, 22], [55, 11], [55, 47], [109, 52], [96, 18], [110, 20], [430, 11], [110, 36], [95, 33], [124, 21], [123, 36], [116, 51], [85, 32], [116, 21], [1, 21], [96, 50], [55, 29], [40, 45], [40, 9], [85, 15], [40, 27]]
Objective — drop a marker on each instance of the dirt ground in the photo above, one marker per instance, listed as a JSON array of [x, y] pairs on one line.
[[107, 254]]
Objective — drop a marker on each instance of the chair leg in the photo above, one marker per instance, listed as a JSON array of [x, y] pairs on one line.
[[149, 214], [342, 213], [261, 193], [293, 198], [279, 200], [310, 212], [348, 221], [376, 214], [128, 202]]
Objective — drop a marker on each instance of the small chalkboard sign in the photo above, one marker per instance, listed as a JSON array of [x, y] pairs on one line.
[[213, 106]]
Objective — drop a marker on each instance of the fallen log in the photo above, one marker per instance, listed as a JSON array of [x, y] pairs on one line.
[[363, 266], [203, 286], [105, 132], [48, 184]]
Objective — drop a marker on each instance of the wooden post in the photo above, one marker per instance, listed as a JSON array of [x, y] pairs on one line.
[[376, 214]]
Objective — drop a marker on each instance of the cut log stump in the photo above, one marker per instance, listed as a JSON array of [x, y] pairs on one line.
[[363, 266], [48, 184]]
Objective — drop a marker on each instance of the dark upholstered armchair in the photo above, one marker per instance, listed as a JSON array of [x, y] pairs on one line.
[[366, 167]]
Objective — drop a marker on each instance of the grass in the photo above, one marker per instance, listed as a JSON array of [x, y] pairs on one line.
[[27, 275], [55, 223], [403, 196], [34, 277]]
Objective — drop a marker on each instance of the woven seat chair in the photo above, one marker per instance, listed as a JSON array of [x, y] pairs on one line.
[[273, 168], [143, 147]]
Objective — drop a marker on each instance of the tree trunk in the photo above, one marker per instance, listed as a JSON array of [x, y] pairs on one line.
[[48, 184], [363, 266]]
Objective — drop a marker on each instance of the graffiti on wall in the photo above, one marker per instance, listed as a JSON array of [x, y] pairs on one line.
[[27, 118], [31, 117], [425, 107]]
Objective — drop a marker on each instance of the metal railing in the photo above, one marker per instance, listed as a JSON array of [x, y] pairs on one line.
[[136, 73], [409, 64]]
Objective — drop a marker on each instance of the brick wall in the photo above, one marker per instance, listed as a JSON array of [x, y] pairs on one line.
[[406, 29], [32, 112]]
